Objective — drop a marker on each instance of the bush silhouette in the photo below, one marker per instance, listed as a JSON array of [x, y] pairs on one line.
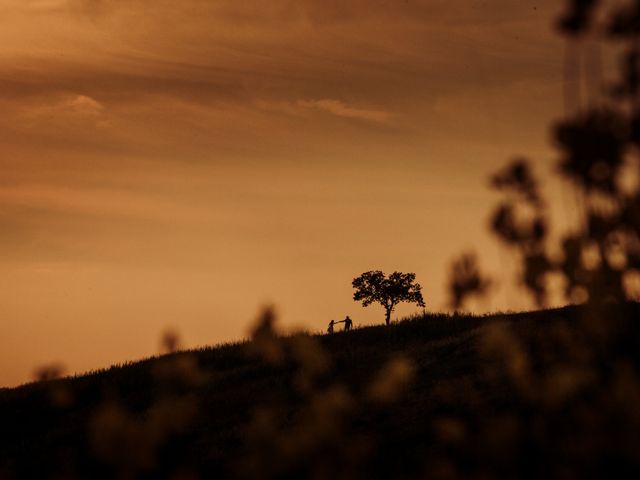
[[598, 260], [375, 287]]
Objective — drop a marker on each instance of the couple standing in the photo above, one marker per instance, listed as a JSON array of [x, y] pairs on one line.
[[348, 323]]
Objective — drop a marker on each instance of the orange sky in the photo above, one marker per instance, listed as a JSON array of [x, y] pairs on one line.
[[180, 163]]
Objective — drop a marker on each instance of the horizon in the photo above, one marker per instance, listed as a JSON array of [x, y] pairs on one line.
[[180, 171]]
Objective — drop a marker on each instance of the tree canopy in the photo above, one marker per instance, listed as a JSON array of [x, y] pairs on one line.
[[375, 287]]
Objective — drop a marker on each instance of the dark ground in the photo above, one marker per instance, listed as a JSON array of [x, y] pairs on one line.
[[547, 394]]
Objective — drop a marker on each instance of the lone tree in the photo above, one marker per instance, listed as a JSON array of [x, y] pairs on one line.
[[374, 286]]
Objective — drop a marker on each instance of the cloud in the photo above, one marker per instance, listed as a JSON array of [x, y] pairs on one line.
[[98, 203], [62, 114], [213, 79], [34, 5], [83, 106], [80, 107], [341, 109]]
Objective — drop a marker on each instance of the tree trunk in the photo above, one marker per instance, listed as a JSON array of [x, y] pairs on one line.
[[388, 316]]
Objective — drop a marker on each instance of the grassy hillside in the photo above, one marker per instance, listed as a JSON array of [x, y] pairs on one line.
[[552, 393]]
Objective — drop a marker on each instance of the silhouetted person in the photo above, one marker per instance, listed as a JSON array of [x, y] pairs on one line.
[[331, 324], [347, 324]]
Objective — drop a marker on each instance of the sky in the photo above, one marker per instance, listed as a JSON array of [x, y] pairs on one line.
[[181, 164]]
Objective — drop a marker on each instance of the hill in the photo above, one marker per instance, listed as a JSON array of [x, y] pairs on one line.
[[551, 393]]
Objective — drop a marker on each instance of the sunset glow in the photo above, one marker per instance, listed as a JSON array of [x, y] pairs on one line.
[[179, 164]]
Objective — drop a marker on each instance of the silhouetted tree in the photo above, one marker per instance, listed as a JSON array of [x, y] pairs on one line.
[[375, 287]]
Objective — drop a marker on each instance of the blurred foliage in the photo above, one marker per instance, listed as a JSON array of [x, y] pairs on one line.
[[317, 440], [598, 262], [466, 280], [573, 384], [551, 394]]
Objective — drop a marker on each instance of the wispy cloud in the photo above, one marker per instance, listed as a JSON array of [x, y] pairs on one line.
[[99, 203], [341, 109], [72, 106], [58, 115], [34, 5], [84, 106], [238, 78]]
